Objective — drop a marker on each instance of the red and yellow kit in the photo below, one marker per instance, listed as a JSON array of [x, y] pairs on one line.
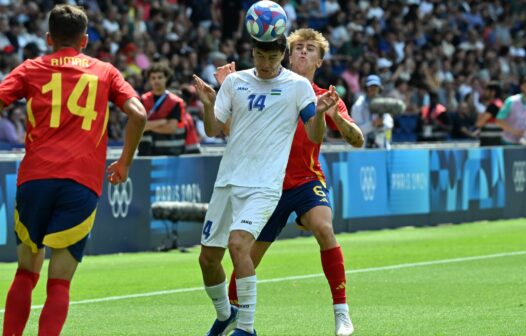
[[67, 113], [304, 165]]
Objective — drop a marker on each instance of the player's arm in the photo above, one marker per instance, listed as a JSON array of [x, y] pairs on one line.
[[168, 125], [313, 116], [483, 118], [118, 171], [348, 129], [207, 94]]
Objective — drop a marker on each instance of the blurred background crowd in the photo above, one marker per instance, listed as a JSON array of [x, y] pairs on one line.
[[426, 52]]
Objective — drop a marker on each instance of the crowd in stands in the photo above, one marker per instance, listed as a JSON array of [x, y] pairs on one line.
[[437, 56]]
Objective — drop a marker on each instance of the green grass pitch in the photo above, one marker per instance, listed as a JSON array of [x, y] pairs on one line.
[[464, 280]]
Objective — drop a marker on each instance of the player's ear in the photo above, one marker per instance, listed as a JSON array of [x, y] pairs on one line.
[[49, 40], [84, 41]]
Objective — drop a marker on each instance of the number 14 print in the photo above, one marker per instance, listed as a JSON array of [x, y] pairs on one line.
[[256, 102]]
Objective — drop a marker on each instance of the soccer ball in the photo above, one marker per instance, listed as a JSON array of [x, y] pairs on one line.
[[266, 21]]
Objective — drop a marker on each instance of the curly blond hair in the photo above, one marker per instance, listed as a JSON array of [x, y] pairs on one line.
[[309, 34]]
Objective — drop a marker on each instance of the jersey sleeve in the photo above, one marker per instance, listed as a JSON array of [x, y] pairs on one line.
[[505, 109], [305, 94], [493, 110], [223, 104], [120, 89], [13, 86]]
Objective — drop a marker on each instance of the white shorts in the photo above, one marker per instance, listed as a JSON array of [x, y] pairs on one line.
[[237, 208]]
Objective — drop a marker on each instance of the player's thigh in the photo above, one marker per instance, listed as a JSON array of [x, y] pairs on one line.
[[218, 219], [62, 264], [73, 218], [29, 261], [35, 204], [252, 208], [279, 217], [313, 207], [317, 218]]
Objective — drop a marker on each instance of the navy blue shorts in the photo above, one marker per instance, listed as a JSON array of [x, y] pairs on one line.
[[299, 200], [57, 213]]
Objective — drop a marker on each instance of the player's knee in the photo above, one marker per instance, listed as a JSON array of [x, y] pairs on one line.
[[207, 261], [239, 243], [324, 232]]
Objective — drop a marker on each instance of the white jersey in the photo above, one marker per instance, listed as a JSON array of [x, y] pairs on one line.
[[264, 115]]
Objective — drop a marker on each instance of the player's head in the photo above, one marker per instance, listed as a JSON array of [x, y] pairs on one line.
[[67, 27], [373, 85], [158, 75], [493, 90], [307, 50], [268, 56]]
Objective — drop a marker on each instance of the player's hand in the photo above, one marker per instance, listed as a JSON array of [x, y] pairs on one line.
[[223, 71], [327, 100], [117, 172], [205, 92]]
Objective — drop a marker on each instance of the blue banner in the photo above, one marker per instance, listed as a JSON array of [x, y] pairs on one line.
[[467, 179], [408, 176], [360, 179]]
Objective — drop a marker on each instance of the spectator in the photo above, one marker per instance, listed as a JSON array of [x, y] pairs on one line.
[[164, 133], [490, 132], [377, 129], [12, 125], [463, 123], [434, 119], [456, 41]]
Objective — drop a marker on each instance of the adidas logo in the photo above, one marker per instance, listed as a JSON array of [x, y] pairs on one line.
[[341, 286], [324, 200]]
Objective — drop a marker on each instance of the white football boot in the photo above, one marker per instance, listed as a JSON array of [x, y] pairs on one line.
[[343, 322]]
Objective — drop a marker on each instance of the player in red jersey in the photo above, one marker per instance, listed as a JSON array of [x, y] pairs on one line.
[[304, 188], [61, 175]]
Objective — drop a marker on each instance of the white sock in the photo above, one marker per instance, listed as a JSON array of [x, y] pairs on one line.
[[219, 296], [246, 296], [341, 307]]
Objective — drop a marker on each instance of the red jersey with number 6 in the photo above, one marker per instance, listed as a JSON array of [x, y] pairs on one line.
[[67, 95], [304, 164]]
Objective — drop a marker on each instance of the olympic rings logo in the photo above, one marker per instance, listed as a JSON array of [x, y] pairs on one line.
[[519, 175], [120, 197], [368, 182]]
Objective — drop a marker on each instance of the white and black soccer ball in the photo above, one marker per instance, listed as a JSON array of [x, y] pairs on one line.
[[266, 21]]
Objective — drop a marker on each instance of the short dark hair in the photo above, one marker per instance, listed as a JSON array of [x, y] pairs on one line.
[[280, 44], [495, 87], [159, 67], [67, 24]]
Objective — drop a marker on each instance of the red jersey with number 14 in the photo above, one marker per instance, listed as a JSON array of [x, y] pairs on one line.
[[304, 164], [67, 96]]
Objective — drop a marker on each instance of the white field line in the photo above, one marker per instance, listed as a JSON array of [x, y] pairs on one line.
[[301, 277]]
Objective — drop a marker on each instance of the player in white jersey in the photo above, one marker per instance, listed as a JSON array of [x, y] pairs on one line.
[[263, 104]]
